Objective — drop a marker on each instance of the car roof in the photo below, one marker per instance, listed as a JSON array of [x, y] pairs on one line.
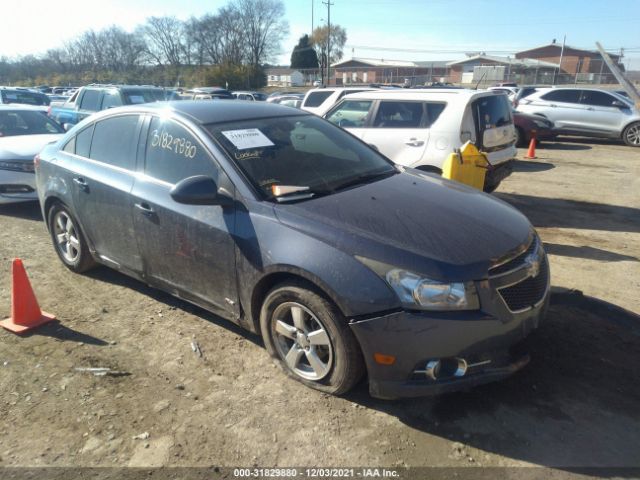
[[217, 111], [443, 94]]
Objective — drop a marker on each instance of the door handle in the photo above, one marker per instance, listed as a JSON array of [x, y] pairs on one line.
[[145, 209], [81, 183], [414, 142]]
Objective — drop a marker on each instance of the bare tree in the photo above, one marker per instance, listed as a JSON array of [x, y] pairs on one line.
[[264, 28], [319, 40], [164, 40]]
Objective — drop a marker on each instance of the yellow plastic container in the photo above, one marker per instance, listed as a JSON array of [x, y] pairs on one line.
[[469, 166]]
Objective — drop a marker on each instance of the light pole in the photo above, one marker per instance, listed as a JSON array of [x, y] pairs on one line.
[[328, 4]]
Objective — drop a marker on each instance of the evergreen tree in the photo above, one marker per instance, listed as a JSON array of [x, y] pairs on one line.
[[304, 55]]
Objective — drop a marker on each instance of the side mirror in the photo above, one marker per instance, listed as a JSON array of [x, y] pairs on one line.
[[199, 190], [67, 126], [619, 104]]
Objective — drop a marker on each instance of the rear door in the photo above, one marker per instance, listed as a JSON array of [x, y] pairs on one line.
[[400, 129], [90, 102], [102, 179], [563, 108], [186, 249], [600, 115]]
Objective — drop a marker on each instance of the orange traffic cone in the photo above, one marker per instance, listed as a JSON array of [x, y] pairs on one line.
[[25, 311], [531, 153]]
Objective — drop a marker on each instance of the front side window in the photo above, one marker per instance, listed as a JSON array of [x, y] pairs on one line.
[[114, 141], [565, 96], [282, 155], [598, 99], [398, 114], [173, 153], [350, 113], [90, 100]]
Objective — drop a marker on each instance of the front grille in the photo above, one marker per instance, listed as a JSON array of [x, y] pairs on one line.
[[517, 261], [529, 292]]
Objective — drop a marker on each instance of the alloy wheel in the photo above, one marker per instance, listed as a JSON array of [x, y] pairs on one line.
[[302, 341], [633, 135], [66, 236]]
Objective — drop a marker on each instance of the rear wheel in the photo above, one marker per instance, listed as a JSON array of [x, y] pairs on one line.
[[68, 241], [310, 339], [521, 138], [631, 135]]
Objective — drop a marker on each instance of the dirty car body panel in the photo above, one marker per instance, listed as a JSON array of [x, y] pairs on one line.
[[338, 237]]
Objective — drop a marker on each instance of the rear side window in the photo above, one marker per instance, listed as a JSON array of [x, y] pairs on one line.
[[90, 100], [111, 99], [114, 141], [392, 114], [83, 142], [598, 99], [174, 154], [315, 99], [566, 96], [350, 113]]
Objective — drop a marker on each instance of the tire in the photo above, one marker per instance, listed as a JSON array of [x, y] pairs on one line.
[[68, 240], [521, 138], [631, 134], [310, 339]]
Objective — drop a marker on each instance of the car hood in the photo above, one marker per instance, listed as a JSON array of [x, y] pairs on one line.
[[416, 221], [25, 147]]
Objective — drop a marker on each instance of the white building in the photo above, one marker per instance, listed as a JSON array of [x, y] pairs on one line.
[[284, 77]]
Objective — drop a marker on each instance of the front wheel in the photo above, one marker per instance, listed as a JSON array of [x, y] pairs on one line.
[[68, 241], [310, 339], [631, 135]]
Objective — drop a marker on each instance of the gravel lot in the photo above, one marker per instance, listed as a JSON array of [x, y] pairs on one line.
[[575, 405]]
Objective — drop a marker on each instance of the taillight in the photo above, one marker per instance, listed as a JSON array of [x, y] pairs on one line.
[[36, 161]]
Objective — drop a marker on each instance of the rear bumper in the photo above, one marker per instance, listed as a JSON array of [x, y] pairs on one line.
[[488, 345], [497, 173]]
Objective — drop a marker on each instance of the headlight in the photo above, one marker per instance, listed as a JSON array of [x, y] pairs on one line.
[[423, 293]]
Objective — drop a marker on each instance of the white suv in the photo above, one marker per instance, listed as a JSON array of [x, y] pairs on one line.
[[587, 112], [420, 128], [319, 100]]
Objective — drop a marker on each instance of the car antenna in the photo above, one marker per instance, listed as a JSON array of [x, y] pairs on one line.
[[481, 78]]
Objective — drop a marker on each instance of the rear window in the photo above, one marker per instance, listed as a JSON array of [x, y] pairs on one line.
[[24, 97], [567, 96], [315, 99], [134, 97], [492, 112]]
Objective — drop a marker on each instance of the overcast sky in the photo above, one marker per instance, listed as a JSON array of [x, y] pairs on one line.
[[401, 29]]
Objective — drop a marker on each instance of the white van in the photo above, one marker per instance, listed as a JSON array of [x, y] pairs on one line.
[[319, 100], [420, 128]]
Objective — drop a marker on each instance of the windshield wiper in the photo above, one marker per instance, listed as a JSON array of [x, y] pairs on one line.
[[365, 178]]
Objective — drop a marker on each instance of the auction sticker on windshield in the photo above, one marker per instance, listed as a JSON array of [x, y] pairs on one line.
[[248, 138]]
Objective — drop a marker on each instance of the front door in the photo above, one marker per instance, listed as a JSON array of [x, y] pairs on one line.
[[187, 249]]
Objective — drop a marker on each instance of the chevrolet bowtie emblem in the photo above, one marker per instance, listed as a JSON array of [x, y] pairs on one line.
[[532, 264]]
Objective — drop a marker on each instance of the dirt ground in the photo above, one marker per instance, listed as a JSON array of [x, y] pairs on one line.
[[576, 405]]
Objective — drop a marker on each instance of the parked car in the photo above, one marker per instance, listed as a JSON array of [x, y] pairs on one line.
[[250, 96], [208, 93], [291, 100], [525, 91], [420, 128], [586, 112], [287, 225], [94, 98], [526, 124], [319, 100], [510, 92], [24, 131], [17, 95], [276, 94]]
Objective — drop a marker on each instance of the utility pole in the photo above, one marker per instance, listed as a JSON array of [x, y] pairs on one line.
[[560, 64], [328, 4]]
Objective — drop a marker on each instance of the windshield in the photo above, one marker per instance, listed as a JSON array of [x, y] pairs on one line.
[[133, 97], [21, 96], [26, 122], [299, 153]]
